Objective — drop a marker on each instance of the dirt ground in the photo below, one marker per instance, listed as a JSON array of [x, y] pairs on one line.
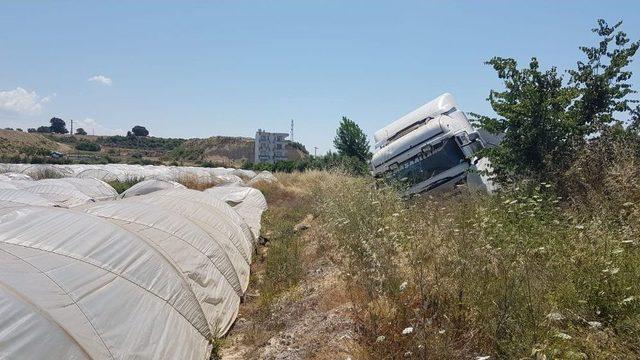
[[310, 321]]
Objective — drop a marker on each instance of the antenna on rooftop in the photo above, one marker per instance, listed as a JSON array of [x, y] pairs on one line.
[[291, 129]]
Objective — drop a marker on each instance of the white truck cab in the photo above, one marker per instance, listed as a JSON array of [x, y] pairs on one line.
[[430, 148]]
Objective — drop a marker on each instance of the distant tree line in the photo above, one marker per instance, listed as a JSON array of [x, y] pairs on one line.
[[59, 126]]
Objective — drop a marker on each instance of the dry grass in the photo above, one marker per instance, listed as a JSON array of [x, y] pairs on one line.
[[195, 183], [523, 274], [508, 276]]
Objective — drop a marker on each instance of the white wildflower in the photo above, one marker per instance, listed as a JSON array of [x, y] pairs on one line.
[[579, 227], [407, 331], [563, 336], [403, 286], [555, 316], [595, 324], [482, 357], [395, 214], [441, 331], [380, 338], [627, 204], [628, 300]]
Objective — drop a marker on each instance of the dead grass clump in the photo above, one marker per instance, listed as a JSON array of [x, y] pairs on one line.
[[195, 183]]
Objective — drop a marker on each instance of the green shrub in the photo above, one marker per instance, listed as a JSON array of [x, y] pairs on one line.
[[87, 146]]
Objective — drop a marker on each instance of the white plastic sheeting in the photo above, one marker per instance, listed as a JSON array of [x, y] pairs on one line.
[[103, 292], [154, 276], [248, 202], [264, 176], [125, 172], [64, 192], [228, 220], [13, 176], [13, 197], [149, 186]]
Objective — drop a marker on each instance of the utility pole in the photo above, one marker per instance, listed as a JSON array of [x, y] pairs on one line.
[[71, 127], [315, 151]]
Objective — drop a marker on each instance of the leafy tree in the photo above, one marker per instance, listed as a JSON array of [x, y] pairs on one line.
[[140, 131], [546, 121], [532, 113], [602, 81], [19, 129], [80, 131], [43, 129], [31, 130], [351, 141], [58, 126]]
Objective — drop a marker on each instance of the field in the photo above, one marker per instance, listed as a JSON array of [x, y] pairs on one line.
[[523, 274]]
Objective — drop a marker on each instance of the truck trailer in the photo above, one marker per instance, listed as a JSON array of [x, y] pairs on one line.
[[432, 147]]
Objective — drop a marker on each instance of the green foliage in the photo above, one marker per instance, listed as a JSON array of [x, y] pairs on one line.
[[185, 153], [140, 142], [351, 141], [87, 146], [58, 126], [330, 161], [602, 80], [548, 121], [80, 131], [121, 186], [532, 113], [43, 129], [35, 151]]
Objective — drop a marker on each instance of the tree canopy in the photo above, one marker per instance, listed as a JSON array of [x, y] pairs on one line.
[[43, 129], [58, 126], [351, 141], [80, 131], [547, 120], [139, 131]]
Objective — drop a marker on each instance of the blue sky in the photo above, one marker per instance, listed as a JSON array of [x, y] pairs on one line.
[[196, 69]]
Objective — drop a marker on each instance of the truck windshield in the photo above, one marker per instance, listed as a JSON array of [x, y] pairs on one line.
[[425, 166]]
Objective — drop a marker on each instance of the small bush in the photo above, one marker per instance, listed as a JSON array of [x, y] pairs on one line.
[[87, 146], [122, 186]]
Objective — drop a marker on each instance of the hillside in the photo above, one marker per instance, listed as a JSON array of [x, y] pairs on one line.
[[16, 146], [16, 143]]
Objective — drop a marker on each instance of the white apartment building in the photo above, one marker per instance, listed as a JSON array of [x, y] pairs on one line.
[[270, 147]]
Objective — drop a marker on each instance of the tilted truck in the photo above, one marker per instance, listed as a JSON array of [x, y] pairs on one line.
[[432, 147]]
